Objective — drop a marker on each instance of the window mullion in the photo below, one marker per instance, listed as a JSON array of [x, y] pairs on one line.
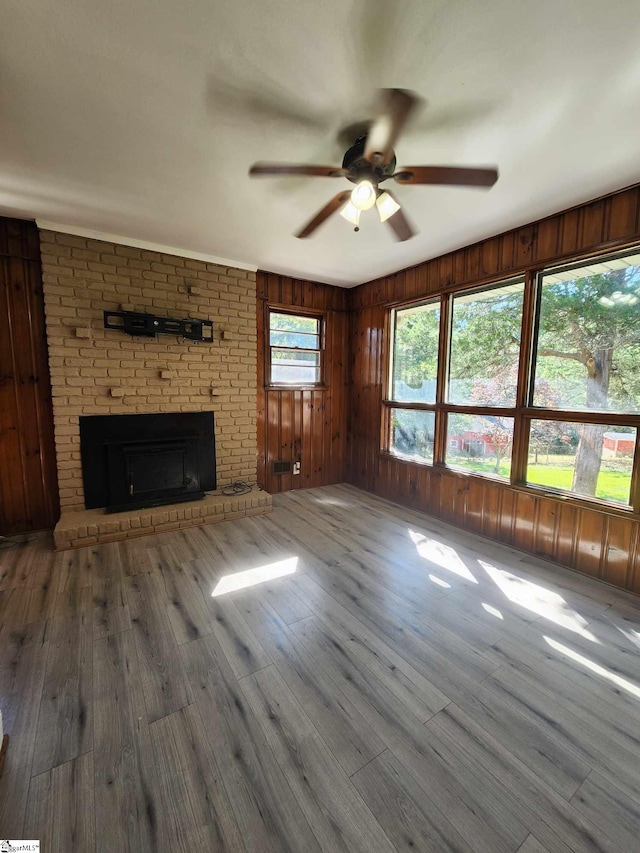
[[444, 339], [520, 451], [634, 497]]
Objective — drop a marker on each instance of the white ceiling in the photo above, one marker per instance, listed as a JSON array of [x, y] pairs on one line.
[[141, 119]]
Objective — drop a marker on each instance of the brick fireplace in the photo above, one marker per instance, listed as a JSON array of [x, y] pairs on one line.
[[98, 371]]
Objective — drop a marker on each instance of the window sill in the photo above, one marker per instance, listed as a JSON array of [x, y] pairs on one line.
[[398, 457], [294, 387]]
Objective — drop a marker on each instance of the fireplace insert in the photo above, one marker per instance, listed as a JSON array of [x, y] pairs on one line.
[[135, 461]]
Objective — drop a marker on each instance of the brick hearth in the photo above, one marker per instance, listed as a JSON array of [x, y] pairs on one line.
[[88, 527]]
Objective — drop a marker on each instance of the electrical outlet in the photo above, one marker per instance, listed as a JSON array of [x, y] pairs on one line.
[[296, 467]]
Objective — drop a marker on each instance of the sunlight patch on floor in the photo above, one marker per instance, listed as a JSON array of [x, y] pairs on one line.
[[620, 682], [332, 501], [439, 581], [252, 577], [493, 611], [538, 599], [630, 634], [442, 555]]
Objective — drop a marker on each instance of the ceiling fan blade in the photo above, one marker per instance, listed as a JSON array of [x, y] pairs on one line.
[[399, 222], [296, 169], [453, 175], [335, 203], [397, 104]]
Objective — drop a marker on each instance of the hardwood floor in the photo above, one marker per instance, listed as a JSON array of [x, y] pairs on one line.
[[341, 675]]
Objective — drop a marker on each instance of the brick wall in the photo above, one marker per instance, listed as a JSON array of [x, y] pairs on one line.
[[95, 371]]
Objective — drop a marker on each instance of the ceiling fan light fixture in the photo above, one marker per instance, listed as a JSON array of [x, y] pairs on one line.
[[387, 206], [363, 196], [351, 213]]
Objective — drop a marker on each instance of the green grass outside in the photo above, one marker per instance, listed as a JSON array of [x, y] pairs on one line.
[[612, 485]]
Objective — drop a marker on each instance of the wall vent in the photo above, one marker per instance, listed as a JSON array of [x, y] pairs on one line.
[[281, 466]]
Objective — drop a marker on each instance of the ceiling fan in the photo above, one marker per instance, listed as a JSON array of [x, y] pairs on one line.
[[372, 160]]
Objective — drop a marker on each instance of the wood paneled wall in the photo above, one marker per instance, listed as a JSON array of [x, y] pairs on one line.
[[309, 426], [593, 541], [28, 482]]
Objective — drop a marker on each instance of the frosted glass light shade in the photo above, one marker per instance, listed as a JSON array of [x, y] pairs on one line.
[[363, 196], [386, 206], [351, 213]]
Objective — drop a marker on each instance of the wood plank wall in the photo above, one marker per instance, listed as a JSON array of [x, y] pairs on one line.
[[595, 542], [28, 480], [310, 425]]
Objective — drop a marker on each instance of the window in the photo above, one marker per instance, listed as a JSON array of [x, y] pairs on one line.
[[480, 444], [413, 377], [587, 353], [415, 353], [485, 346], [295, 349], [588, 347], [533, 380], [412, 433], [592, 460], [484, 352]]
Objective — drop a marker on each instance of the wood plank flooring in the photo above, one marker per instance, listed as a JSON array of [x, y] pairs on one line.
[[364, 678]]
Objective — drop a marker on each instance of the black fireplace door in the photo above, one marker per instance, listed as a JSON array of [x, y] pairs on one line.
[[132, 461], [150, 473]]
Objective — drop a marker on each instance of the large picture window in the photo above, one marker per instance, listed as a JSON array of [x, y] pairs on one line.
[[295, 349], [535, 381]]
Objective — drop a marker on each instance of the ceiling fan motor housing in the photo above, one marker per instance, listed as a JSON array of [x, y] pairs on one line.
[[360, 169]]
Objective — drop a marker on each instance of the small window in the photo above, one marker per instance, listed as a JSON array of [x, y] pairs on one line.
[[295, 349]]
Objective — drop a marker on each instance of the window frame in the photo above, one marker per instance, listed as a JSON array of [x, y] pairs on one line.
[[389, 404], [523, 412], [314, 315]]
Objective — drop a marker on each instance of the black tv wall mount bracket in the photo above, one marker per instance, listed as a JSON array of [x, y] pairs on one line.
[[148, 326]]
